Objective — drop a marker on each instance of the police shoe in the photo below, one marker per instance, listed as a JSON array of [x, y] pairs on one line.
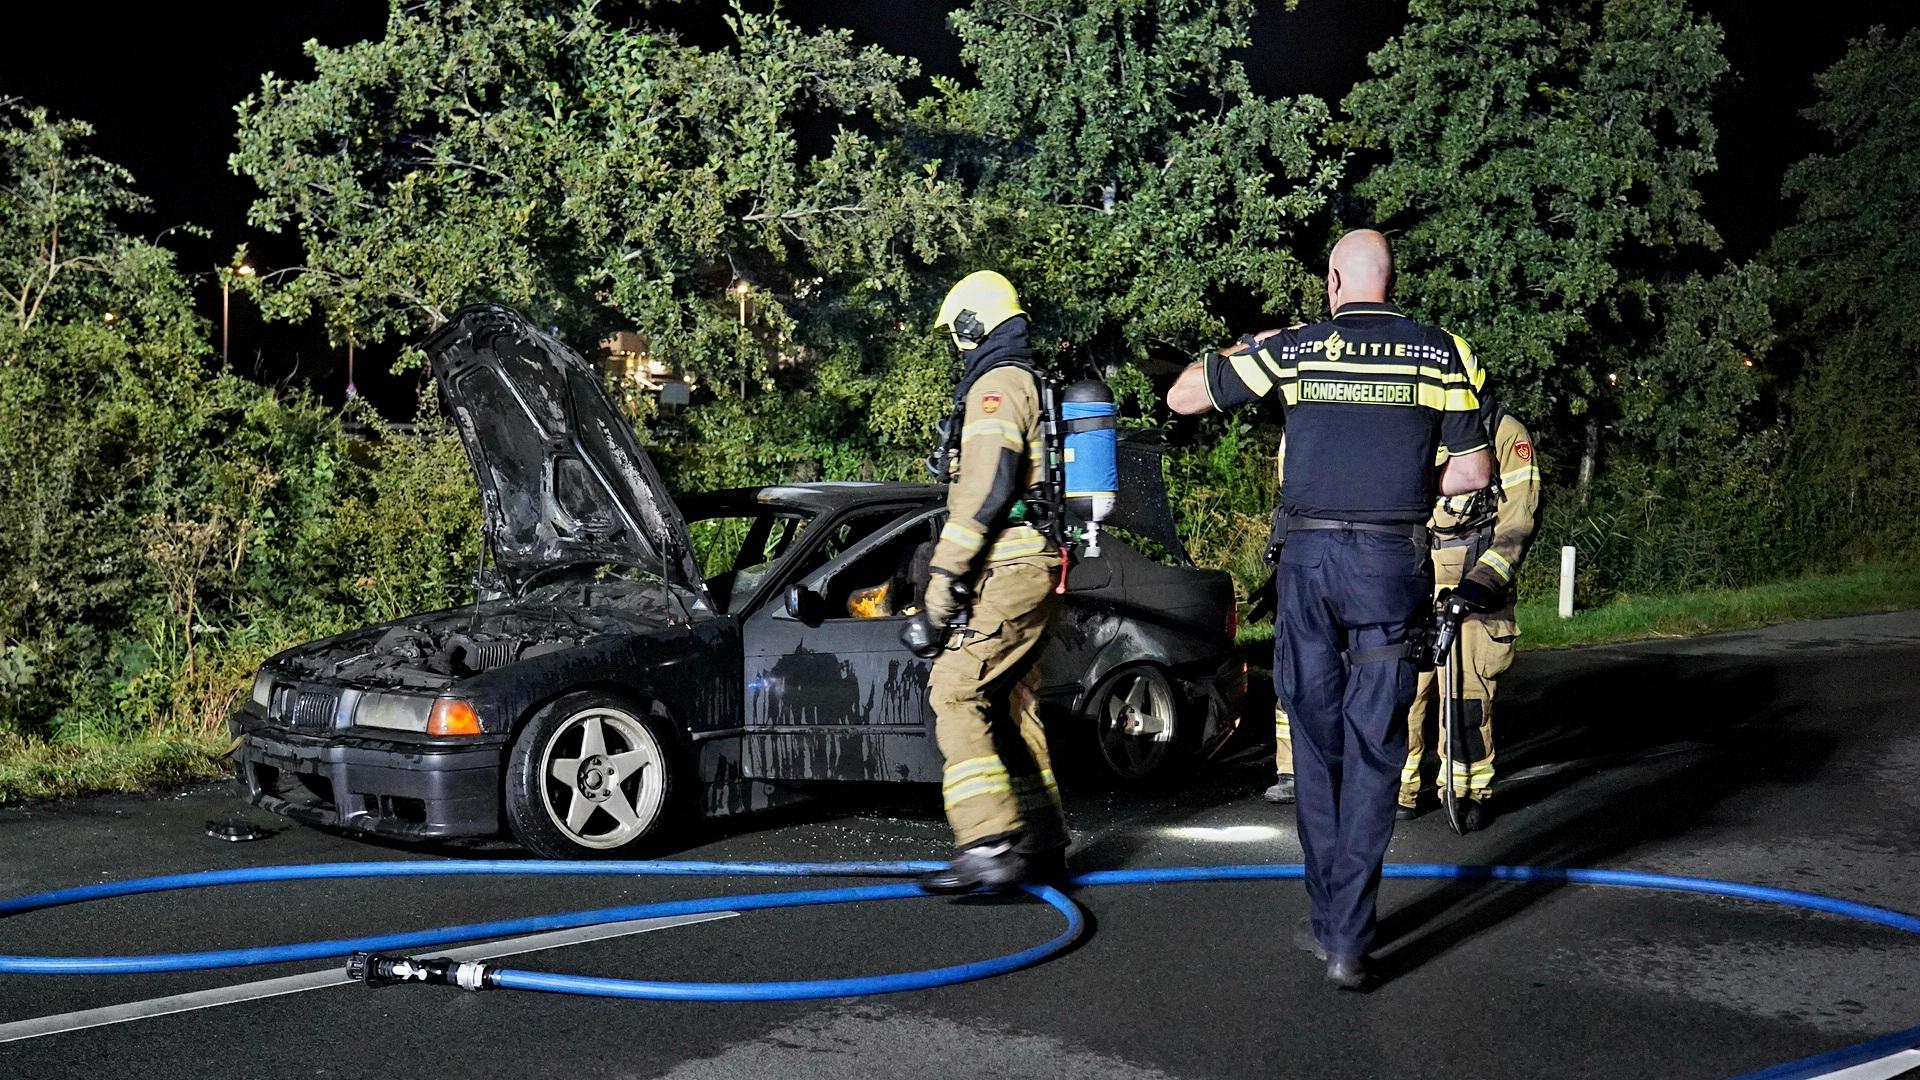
[[1405, 813], [1281, 791], [1347, 972], [994, 866]]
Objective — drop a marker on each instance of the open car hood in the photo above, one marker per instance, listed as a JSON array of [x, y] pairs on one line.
[[562, 477]]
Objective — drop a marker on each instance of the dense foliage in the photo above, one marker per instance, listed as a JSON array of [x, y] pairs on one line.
[[776, 216]]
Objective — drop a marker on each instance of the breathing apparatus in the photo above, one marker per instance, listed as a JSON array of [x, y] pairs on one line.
[[1080, 477]]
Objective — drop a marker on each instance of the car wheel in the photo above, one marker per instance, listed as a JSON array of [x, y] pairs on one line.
[[1136, 724], [589, 775]]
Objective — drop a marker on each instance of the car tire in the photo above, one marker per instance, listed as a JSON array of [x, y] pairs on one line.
[[1137, 727], [591, 775]]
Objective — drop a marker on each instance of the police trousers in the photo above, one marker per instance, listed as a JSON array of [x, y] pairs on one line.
[[1486, 652], [1343, 595], [998, 780]]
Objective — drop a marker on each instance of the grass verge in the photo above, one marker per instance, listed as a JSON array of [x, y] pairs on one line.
[[41, 769], [1677, 615]]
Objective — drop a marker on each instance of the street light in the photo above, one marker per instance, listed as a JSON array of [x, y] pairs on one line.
[[226, 287], [740, 290]]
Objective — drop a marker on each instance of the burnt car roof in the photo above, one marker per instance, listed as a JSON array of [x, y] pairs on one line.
[[823, 497]]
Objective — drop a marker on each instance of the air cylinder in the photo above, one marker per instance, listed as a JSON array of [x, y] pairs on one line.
[[1091, 457]]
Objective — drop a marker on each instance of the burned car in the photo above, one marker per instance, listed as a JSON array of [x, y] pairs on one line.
[[612, 669]]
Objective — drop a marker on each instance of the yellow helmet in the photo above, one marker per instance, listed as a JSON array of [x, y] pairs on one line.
[[981, 301]]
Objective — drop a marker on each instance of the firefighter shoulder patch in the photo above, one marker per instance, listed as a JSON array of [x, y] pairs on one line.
[[990, 403], [1523, 450]]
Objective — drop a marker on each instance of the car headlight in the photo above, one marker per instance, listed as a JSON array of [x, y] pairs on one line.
[[395, 712], [263, 690]]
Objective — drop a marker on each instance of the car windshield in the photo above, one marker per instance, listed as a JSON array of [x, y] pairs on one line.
[[738, 547]]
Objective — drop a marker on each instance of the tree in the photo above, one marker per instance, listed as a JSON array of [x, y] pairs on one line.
[[1854, 305], [1127, 176], [598, 175], [1850, 252], [1536, 165]]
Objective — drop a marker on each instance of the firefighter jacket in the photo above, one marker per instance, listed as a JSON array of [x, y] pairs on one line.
[[1494, 532], [1002, 457]]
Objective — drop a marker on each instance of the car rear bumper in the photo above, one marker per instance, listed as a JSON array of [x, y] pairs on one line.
[[411, 790], [1222, 694]]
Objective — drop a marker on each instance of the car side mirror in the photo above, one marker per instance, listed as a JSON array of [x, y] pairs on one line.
[[803, 604]]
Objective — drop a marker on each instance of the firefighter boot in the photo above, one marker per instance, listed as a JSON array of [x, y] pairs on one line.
[[1281, 791], [995, 866]]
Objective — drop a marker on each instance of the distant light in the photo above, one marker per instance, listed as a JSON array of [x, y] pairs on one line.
[[111, 316], [244, 270], [1223, 834], [1747, 360], [740, 287], [1613, 379]]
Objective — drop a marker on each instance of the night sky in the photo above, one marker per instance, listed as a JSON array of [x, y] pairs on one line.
[[160, 85]]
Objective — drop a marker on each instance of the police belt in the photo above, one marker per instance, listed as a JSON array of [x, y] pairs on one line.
[[1416, 533]]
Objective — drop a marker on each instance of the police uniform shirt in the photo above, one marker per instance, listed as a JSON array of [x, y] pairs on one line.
[[1368, 395]]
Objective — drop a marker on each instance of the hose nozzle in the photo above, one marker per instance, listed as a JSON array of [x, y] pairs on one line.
[[377, 969]]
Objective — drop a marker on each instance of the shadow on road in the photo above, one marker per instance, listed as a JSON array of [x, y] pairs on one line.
[[1607, 711]]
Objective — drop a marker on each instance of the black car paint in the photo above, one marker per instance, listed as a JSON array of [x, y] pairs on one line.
[[759, 701]]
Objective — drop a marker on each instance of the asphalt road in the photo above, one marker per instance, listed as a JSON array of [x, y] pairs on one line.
[[1786, 757]]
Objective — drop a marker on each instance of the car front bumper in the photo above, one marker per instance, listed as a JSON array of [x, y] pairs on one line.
[[420, 790]]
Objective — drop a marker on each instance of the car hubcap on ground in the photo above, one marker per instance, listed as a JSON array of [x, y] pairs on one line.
[[1137, 724], [603, 777]]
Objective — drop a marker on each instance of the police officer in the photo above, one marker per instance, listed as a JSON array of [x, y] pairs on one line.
[[1479, 540], [1371, 399], [998, 785]]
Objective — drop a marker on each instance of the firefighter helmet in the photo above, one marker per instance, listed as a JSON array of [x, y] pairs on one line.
[[974, 307]]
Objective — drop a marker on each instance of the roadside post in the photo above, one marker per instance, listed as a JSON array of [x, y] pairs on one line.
[[1566, 582]]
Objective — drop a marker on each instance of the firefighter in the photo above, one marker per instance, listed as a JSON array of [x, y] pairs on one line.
[[1372, 400], [1479, 540], [993, 570]]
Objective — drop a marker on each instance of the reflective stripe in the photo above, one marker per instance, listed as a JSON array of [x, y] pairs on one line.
[[1016, 542], [1250, 371], [1437, 374], [1466, 351], [1456, 400], [1031, 785], [1528, 475], [1459, 453], [1368, 311], [967, 767], [1007, 431], [1498, 565], [1273, 366], [963, 536], [974, 789]]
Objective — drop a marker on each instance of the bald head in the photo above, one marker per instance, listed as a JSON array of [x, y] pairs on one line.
[[1360, 269]]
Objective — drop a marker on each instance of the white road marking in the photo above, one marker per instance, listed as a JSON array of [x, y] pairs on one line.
[[333, 976], [1878, 1069]]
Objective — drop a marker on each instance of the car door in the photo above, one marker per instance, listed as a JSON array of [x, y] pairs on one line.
[[831, 693]]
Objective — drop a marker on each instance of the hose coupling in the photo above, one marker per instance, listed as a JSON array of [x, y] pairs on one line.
[[376, 969]]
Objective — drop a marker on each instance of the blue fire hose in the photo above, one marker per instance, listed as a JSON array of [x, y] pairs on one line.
[[549, 982]]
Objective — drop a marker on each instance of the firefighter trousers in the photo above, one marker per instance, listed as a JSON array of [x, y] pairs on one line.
[[1486, 651], [998, 780]]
